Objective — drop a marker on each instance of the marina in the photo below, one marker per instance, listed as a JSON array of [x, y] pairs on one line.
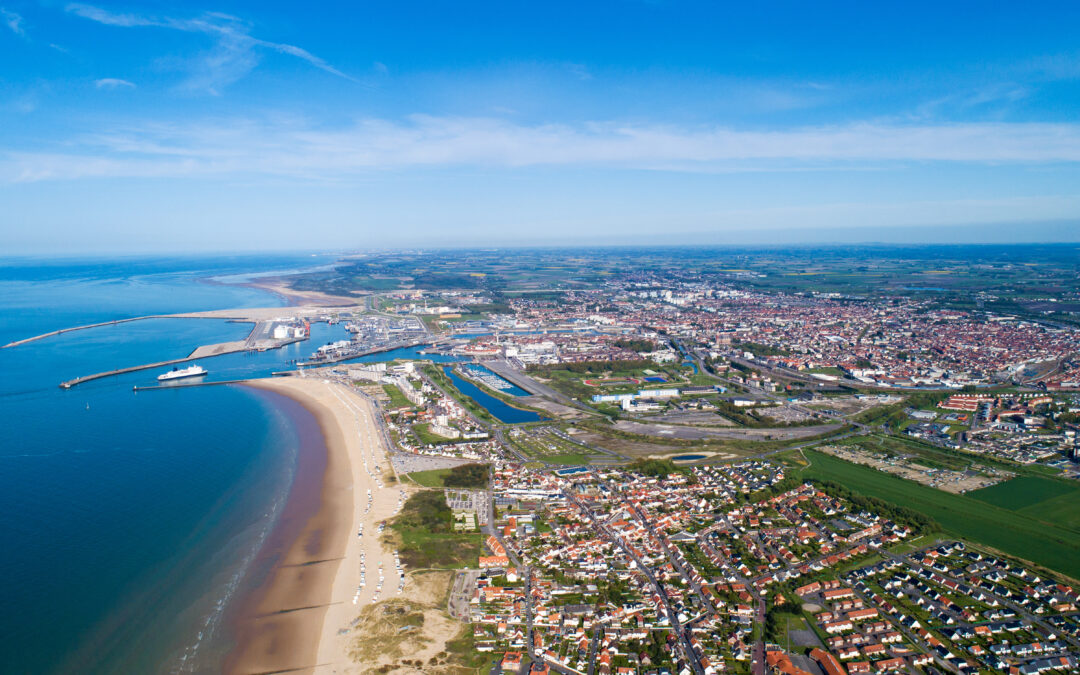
[[491, 380], [502, 411]]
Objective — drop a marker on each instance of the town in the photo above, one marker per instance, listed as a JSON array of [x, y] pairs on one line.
[[667, 476]]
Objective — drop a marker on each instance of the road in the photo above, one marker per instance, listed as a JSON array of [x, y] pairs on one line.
[[676, 627], [515, 376], [1027, 616], [593, 644], [676, 561]]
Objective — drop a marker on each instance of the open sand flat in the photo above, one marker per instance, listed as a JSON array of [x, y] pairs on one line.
[[312, 597], [408, 633], [280, 286]]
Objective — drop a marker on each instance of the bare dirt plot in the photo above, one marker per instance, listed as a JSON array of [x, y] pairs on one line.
[[701, 434], [549, 406], [784, 413], [218, 349], [636, 448], [694, 418], [850, 405], [957, 482]]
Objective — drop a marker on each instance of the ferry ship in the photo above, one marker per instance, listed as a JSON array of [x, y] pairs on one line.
[[177, 373]]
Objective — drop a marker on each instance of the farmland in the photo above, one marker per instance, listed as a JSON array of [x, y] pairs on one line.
[[1023, 492], [1052, 544], [1046, 499]]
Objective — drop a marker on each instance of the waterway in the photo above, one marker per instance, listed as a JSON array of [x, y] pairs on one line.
[[503, 412], [506, 387]]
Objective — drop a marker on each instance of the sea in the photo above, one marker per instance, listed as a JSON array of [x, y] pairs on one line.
[[130, 521]]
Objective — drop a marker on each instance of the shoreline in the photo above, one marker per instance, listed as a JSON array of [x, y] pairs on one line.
[[297, 618], [277, 286]]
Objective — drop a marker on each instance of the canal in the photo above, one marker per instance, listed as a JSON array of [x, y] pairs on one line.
[[507, 414]]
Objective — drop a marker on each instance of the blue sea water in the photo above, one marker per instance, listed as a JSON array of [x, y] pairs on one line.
[[128, 519]]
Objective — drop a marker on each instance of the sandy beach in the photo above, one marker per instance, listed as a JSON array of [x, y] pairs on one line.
[[280, 286], [329, 572]]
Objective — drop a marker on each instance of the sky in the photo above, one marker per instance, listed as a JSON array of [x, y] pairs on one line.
[[213, 126]]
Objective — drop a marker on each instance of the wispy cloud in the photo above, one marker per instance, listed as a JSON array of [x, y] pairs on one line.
[[579, 70], [113, 83], [297, 149], [235, 52], [13, 20]]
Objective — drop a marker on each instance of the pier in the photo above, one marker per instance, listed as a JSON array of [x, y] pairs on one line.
[[154, 387], [249, 315], [390, 346], [120, 371], [75, 328]]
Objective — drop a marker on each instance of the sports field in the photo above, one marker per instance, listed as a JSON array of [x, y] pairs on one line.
[[1052, 543]]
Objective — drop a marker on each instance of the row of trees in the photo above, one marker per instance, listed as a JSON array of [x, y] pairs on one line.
[[467, 476], [657, 468], [901, 515], [635, 344], [593, 367]]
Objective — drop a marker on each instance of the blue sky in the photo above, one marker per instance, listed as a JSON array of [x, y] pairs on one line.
[[157, 126]]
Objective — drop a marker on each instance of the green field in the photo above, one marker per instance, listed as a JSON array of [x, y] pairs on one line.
[[470, 476], [435, 478], [1055, 545], [397, 399], [424, 535], [1022, 492], [424, 435], [568, 458], [1045, 499]]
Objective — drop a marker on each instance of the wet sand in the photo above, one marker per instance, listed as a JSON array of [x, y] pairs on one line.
[[297, 619], [279, 286]]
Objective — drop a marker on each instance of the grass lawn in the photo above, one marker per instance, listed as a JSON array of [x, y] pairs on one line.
[[1053, 545], [462, 653], [568, 458], [424, 435], [433, 479], [916, 543], [422, 534], [397, 399], [825, 370], [429, 550]]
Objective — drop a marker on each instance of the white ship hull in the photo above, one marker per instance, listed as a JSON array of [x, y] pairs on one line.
[[175, 374]]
